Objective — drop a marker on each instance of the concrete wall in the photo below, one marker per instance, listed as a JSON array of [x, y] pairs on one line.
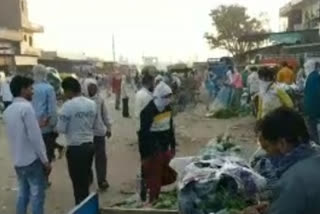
[[10, 14]]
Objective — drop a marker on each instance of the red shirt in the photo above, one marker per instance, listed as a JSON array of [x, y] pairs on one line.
[[116, 85]]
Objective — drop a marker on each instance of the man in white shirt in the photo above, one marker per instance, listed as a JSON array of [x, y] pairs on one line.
[[143, 97], [5, 92], [90, 79], [102, 130], [253, 84], [253, 81], [77, 120], [27, 147]]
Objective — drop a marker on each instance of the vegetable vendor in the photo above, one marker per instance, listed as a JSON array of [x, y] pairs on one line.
[[283, 135], [157, 141]]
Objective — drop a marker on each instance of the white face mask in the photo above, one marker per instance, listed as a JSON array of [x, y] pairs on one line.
[[162, 103]]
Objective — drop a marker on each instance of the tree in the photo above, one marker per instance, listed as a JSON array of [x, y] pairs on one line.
[[231, 24]]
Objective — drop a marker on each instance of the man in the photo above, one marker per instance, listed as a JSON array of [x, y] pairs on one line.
[[5, 92], [284, 136], [126, 87], [285, 75], [116, 88], [77, 121], [143, 97], [27, 147], [45, 105], [253, 84], [312, 103], [271, 96], [245, 75], [87, 81], [102, 130]]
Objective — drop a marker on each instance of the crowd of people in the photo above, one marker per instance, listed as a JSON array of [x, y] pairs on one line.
[[33, 123], [270, 89], [34, 120]]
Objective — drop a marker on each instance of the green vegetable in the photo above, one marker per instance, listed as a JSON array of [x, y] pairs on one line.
[[168, 200], [230, 113], [223, 200]]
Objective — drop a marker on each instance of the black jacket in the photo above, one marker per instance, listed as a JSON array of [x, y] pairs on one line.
[[156, 131]]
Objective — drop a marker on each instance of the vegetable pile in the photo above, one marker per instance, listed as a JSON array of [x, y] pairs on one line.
[[167, 200], [219, 180], [231, 113]]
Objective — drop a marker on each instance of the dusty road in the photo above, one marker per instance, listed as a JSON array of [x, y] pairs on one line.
[[192, 130]]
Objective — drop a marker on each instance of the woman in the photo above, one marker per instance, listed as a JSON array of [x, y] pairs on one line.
[[157, 141], [271, 96], [237, 85], [284, 136]]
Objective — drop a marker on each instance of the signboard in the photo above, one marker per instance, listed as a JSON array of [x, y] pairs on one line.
[[88, 206]]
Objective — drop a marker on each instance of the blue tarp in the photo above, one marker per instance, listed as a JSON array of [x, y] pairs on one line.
[[88, 206], [220, 93]]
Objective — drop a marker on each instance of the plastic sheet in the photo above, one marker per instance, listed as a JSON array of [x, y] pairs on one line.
[[180, 163], [218, 180]]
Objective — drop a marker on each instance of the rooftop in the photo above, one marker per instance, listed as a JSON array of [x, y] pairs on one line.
[[294, 5]]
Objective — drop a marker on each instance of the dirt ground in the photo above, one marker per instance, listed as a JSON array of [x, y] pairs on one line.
[[193, 131]]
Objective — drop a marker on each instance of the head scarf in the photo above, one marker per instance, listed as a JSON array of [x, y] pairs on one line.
[[310, 65], [39, 73], [158, 78], [160, 92]]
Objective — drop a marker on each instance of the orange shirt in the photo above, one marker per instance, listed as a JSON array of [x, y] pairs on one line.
[[285, 75]]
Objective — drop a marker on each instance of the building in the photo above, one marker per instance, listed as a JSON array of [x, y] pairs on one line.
[[301, 38], [77, 63], [17, 35], [301, 14]]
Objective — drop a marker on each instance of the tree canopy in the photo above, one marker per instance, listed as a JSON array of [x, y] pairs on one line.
[[231, 24]]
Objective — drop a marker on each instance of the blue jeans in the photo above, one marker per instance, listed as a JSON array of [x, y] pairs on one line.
[[32, 183]]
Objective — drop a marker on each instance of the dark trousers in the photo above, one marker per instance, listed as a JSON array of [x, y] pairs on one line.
[[79, 160], [6, 104], [118, 100], [100, 158], [143, 187], [50, 143], [125, 107]]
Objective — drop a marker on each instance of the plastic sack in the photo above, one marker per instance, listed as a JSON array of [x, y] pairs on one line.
[[218, 176], [180, 163], [222, 101], [203, 181]]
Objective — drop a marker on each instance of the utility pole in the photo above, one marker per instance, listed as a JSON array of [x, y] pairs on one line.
[[114, 49]]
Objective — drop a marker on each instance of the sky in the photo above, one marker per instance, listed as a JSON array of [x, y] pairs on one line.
[[172, 30]]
